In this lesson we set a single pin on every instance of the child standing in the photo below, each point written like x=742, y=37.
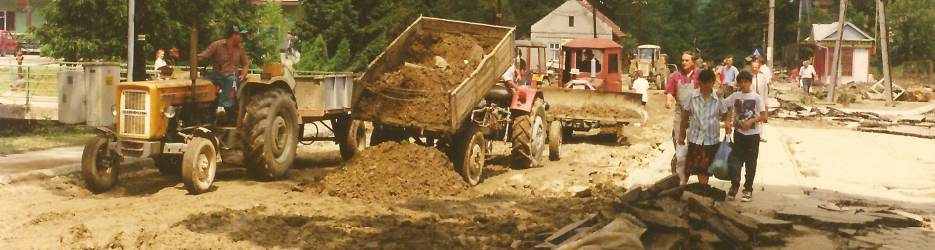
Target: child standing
x=750, y=112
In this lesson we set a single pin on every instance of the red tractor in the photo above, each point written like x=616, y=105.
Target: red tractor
x=589, y=94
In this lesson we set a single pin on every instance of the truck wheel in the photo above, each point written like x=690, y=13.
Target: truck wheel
x=353, y=138
x=471, y=154
x=168, y=165
x=270, y=134
x=528, y=137
x=555, y=140
x=99, y=167
x=199, y=164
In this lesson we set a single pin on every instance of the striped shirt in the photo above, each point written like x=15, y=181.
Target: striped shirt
x=704, y=127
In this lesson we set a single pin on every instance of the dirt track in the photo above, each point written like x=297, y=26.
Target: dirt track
x=511, y=208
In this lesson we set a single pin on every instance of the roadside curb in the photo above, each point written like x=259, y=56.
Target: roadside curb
x=129, y=167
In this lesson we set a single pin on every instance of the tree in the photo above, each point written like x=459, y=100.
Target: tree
x=314, y=56
x=342, y=57
x=270, y=30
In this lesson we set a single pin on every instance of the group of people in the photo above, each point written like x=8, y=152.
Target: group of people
x=703, y=100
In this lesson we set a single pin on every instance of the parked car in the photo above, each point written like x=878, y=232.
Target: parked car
x=27, y=43
x=7, y=43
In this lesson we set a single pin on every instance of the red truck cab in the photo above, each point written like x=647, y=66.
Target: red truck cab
x=7, y=43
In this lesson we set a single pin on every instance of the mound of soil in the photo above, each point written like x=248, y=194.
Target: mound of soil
x=425, y=101
x=395, y=171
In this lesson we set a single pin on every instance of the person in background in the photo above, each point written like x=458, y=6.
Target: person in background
x=750, y=112
x=729, y=76
x=700, y=127
x=161, y=65
x=20, y=83
x=641, y=85
x=681, y=86
x=761, y=81
x=807, y=74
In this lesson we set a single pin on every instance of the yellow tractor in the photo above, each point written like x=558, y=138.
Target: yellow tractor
x=174, y=123
x=652, y=65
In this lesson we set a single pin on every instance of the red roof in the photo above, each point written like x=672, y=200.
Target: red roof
x=591, y=43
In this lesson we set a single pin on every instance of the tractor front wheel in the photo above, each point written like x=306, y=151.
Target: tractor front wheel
x=270, y=134
x=199, y=165
x=99, y=167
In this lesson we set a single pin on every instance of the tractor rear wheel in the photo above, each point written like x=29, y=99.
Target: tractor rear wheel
x=199, y=165
x=168, y=164
x=99, y=168
x=555, y=140
x=529, y=136
x=270, y=133
x=470, y=155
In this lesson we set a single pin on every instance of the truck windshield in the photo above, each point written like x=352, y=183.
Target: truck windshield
x=646, y=54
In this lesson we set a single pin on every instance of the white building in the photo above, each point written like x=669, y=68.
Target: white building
x=573, y=19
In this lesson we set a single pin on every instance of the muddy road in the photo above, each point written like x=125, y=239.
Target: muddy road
x=511, y=208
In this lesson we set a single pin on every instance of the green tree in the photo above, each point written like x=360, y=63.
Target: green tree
x=269, y=35
x=342, y=57
x=79, y=35
x=314, y=56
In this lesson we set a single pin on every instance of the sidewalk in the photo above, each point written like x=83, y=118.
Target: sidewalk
x=49, y=163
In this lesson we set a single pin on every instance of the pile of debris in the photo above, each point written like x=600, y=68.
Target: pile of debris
x=669, y=216
x=922, y=126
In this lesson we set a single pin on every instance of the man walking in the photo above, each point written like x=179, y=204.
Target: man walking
x=230, y=64
x=750, y=112
x=762, y=76
x=807, y=74
x=679, y=90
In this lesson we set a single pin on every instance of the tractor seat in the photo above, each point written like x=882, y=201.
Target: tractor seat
x=499, y=93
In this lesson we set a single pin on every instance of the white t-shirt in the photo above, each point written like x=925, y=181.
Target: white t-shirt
x=807, y=72
x=641, y=85
x=746, y=106
x=159, y=63
x=510, y=74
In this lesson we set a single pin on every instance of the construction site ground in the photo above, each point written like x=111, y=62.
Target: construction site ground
x=802, y=164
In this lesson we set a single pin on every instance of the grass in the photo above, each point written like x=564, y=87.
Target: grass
x=43, y=80
x=18, y=136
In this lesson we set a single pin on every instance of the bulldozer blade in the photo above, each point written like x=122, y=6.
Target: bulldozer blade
x=589, y=105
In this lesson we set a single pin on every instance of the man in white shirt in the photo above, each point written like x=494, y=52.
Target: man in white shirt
x=641, y=85
x=807, y=74
x=762, y=76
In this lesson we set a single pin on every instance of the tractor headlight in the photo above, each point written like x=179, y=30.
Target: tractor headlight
x=169, y=112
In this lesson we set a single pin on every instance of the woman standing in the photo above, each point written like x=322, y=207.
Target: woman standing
x=706, y=110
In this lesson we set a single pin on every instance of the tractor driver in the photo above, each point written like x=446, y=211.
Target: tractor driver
x=230, y=63
x=585, y=64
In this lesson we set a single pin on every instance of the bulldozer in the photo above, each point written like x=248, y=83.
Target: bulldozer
x=651, y=64
x=174, y=123
x=589, y=94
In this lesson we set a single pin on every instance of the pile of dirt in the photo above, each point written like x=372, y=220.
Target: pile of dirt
x=432, y=64
x=392, y=172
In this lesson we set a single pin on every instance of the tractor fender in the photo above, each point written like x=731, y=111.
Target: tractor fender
x=523, y=98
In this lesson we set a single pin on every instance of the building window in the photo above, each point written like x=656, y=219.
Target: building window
x=571, y=21
x=847, y=61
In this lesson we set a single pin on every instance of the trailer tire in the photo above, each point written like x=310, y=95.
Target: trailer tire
x=471, y=150
x=270, y=134
x=99, y=173
x=199, y=165
x=351, y=136
x=168, y=164
x=528, y=136
x=555, y=140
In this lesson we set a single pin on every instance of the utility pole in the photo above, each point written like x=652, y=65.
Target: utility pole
x=798, y=32
x=594, y=18
x=770, y=40
x=836, y=61
x=499, y=12
x=130, y=39
x=884, y=47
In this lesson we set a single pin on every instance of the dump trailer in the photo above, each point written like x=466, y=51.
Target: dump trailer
x=451, y=103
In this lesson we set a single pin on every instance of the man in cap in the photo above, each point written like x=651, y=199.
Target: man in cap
x=230, y=63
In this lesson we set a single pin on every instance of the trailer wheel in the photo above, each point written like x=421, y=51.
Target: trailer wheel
x=529, y=137
x=168, y=164
x=99, y=168
x=270, y=134
x=199, y=164
x=471, y=154
x=351, y=136
x=555, y=140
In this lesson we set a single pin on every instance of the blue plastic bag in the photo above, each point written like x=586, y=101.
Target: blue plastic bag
x=719, y=167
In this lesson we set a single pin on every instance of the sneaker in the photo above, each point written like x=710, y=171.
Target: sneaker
x=732, y=194
x=747, y=196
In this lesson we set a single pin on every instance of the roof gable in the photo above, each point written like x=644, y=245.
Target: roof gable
x=828, y=32
x=614, y=28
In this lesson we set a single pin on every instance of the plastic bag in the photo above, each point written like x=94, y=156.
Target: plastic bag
x=681, y=155
x=719, y=167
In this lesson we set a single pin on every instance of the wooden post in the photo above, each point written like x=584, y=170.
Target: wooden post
x=836, y=61
x=771, y=34
x=884, y=47
x=499, y=12
x=193, y=55
x=594, y=18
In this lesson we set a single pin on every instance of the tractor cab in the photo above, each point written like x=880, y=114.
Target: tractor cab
x=533, y=65
x=591, y=64
x=651, y=64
